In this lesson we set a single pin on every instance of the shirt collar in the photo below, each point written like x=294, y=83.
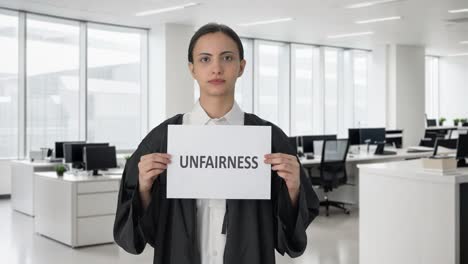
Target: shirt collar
x=235, y=116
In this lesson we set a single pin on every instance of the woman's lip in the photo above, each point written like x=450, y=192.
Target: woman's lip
x=217, y=81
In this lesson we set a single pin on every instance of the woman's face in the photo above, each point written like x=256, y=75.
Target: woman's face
x=216, y=64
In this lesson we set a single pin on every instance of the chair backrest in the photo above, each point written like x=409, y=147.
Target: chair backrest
x=333, y=165
x=446, y=143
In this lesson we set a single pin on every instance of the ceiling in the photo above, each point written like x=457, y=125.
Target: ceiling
x=424, y=22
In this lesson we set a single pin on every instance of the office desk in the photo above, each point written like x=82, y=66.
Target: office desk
x=350, y=193
x=76, y=210
x=363, y=156
x=22, y=183
x=409, y=215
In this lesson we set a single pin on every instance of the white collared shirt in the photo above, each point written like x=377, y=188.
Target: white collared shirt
x=210, y=212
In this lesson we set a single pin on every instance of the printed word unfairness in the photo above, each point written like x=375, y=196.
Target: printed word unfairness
x=219, y=162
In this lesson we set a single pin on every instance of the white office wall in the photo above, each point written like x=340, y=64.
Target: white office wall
x=406, y=92
x=5, y=177
x=170, y=82
x=453, y=91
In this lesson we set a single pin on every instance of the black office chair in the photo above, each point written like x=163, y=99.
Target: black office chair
x=430, y=139
x=332, y=171
x=446, y=143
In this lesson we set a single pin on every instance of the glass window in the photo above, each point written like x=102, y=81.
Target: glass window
x=432, y=87
x=360, y=80
x=114, y=85
x=272, y=83
x=331, y=91
x=52, y=90
x=302, y=89
x=8, y=85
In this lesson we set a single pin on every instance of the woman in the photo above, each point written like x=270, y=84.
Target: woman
x=188, y=231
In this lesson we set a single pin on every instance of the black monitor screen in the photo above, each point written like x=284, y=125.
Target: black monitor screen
x=354, y=136
x=372, y=135
x=99, y=157
x=462, y=146
x=73, y=152
x=308, y=141
x=59, y=147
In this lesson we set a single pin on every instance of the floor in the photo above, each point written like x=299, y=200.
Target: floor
x=331, y=240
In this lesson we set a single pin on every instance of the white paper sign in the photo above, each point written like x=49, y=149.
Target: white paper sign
x=218, y=162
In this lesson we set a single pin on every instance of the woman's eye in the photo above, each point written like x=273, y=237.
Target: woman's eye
x=228, y=58
x=205, y=59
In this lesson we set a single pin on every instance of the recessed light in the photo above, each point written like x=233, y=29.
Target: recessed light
x=351, y=35
x=163, y=10
x=378, y=20
x=458, y=11
x=371, y=3
x=266, y=22
x=457, y=55
x=464, y=42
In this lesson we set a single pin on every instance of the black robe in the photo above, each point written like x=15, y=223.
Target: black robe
x=253, y=228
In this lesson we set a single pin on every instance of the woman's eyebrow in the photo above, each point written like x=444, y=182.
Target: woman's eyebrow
x=209, y=54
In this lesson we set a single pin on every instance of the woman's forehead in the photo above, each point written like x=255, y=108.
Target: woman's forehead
x=215, y=43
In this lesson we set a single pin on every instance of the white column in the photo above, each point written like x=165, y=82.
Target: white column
x=170, y=83
x=406, y=93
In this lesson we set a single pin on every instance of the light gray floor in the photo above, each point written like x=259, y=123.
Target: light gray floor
x=331, y=240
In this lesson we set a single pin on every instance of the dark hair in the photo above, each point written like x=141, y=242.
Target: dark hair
x=213, y=28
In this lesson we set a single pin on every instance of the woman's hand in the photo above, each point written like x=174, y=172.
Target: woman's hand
x=287, y=168
x=149, y=168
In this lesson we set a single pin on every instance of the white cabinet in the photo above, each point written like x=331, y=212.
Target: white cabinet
x=22, y=183
x=76, y=210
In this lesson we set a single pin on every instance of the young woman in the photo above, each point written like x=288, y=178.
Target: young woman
x=189, y=231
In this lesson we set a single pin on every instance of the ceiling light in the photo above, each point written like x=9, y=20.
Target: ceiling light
x=464, y=42
x=371, y=3
x=457, y=55
x=163, y=10
x=351, y=35
x=458, y=11
x=378, y=20
x=266, y=22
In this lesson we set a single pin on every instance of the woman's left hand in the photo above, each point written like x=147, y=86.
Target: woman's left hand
x=287, y=168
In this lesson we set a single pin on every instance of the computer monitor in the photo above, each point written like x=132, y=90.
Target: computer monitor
x=73, y=152
x=354, y=136
x=59, y=147
x=308, y=141
x=372, y=135
x=99, y=158
x=462, y=150
x=431, y=122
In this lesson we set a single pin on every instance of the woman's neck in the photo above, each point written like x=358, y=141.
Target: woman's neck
x=217, y=106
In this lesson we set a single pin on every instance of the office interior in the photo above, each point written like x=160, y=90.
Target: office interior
x=377, y=87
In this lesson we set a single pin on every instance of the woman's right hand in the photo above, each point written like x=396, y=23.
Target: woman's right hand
x=150, y=167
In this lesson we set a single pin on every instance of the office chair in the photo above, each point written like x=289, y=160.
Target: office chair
x=332, y=171
x=431, y=122
x=430, y=139
x=446, y=143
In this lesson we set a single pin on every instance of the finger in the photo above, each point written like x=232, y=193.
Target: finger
x=280, y=155
x=282, y=167
x=154, y=155
x=284, y=175
x=154, y=165
x=152, y=174
x=278, y=160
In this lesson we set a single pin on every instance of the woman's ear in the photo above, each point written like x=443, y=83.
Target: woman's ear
x=191, y=69
x=242, y=67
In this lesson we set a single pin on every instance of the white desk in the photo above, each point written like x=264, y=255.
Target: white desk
x=22, y=183
x=409, y=215
x=350, y=193
x=76, y=210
